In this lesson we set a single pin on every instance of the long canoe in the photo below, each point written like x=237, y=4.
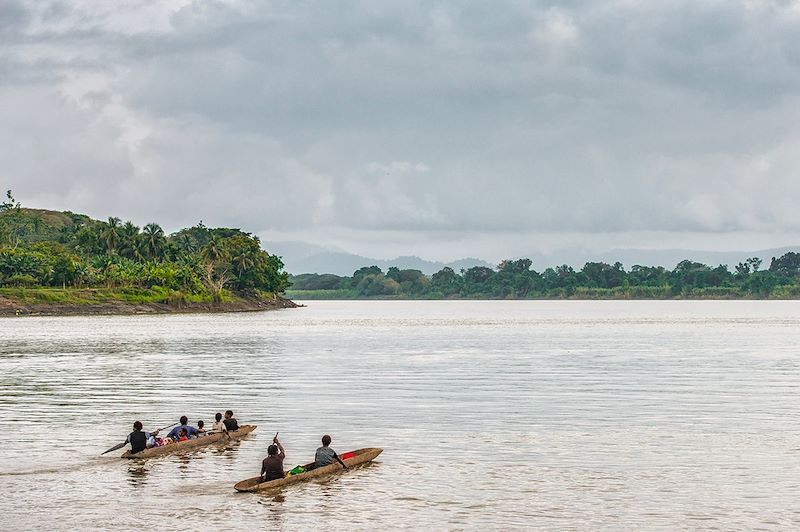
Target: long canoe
x=352, y=458
x=189, y=444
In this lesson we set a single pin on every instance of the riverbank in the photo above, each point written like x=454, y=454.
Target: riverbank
x=634, y=293
x=126, y=301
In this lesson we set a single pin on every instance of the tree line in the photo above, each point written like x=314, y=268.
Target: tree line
x=64, y=249
x=516, y=279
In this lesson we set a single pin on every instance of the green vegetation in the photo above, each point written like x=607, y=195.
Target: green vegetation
x=67, y=258
x=514, y=279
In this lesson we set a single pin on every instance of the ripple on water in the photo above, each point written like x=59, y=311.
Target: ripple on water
x=493, y=415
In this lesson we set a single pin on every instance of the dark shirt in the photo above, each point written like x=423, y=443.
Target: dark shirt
x=231, y=424
x=272, y=467
x=138, y=440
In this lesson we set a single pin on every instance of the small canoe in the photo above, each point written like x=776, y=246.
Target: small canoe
x=202, y=441
x=352, y=458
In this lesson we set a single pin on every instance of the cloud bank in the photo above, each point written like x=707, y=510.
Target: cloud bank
x=439, y=128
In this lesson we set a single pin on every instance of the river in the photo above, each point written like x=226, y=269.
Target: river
x=567, y=415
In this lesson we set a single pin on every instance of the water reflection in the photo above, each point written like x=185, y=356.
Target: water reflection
x=137, y=475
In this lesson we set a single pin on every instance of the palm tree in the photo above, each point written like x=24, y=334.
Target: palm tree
x=154, y=240
x=213, y=250
x=127, y=241
x=111, y=234
x=242, y=263
x=140, y=248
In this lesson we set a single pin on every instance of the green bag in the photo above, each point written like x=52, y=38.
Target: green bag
x=297, y=470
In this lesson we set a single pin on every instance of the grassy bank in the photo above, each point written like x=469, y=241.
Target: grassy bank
x=128, y=300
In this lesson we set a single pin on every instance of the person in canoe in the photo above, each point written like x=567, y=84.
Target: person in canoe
x=191, y=432
x=139, y=439
x=201, y=428
x=272, y=466
x=218, y=425
x=325, y=455
x=230, y=422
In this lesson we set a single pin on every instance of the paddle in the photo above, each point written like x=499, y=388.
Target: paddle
x=123, y=444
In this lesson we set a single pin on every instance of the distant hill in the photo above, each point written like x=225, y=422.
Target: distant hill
x=299, y=258
x=339, y=263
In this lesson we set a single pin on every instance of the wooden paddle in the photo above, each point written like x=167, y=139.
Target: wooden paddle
x=123, y=444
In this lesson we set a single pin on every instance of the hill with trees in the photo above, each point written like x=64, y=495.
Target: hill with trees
x=52, y=259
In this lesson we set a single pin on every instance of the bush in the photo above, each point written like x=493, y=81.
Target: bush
x=21, y=279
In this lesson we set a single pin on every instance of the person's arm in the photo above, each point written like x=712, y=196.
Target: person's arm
x=263, y=469
x=340, y=460
x=282, y=454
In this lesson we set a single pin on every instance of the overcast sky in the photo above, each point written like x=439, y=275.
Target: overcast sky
x=441, y=129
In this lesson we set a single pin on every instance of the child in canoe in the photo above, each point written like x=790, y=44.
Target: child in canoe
x=325, y=455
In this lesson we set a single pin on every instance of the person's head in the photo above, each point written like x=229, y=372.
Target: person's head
x=137, y=425
x=182, y=432
x=218, y=416
x=184, y=420
x=326, y=440
x=228, y=414
x=272, y=450
x=201, y=424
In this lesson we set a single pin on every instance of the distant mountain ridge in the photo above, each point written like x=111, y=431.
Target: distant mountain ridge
x=299, y=258
x=340, y=263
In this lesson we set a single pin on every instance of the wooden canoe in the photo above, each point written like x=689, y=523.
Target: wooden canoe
x=202, y=441
x=352, y=458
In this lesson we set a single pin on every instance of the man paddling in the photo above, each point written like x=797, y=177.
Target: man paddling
x=272, y=466
x=139, y=438
x=190, y=431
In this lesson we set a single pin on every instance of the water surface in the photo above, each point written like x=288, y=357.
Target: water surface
x=493, y=415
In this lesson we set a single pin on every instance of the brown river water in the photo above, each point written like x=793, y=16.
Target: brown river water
x=571, y=415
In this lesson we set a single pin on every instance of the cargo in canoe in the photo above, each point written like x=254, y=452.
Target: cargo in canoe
x=352, y=458
x=202, y=441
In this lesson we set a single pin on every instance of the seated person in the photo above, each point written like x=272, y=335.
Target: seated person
x=139, y=439
x=201, y=431
x=190, y=431
x=230, y=422
x=218, y=425
x=183, y=435
x=272, y=466
x=325, y=455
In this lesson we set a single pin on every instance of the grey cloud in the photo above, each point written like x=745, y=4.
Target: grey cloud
x=13, y=18
x=592, y=117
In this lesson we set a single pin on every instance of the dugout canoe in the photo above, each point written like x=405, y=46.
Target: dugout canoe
x=352, y=459
x=202, y=441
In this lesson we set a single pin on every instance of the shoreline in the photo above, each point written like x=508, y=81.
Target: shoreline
x=13, y=308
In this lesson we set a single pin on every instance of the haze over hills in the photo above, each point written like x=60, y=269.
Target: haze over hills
x=300, y=257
